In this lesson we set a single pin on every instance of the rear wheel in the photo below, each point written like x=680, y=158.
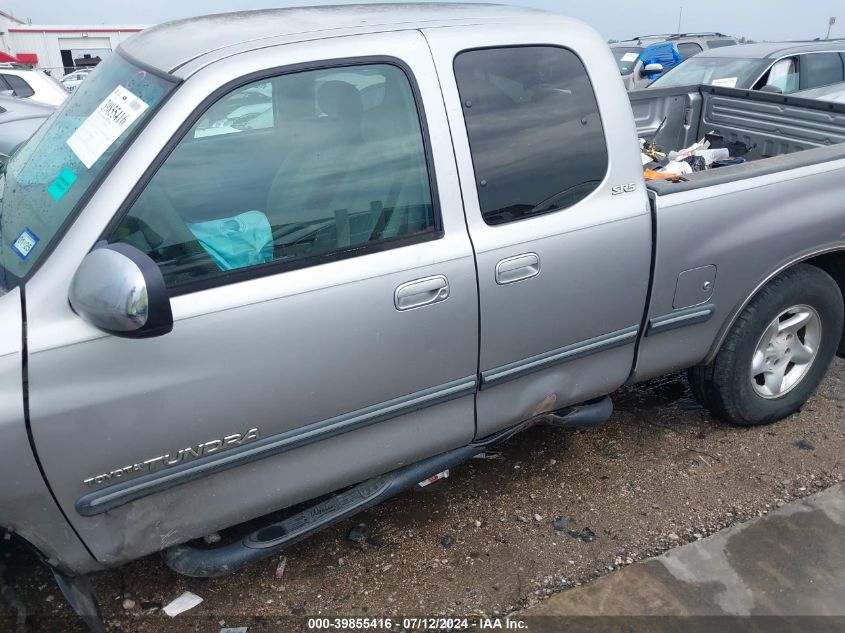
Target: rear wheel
x=777, y=351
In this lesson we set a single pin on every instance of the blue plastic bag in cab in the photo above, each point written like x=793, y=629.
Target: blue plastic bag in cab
x=242, y=240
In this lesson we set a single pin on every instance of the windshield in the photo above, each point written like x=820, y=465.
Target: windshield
x=728, y=72
x=626, y=58
x=45, y=179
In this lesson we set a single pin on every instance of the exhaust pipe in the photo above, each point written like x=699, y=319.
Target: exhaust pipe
x=589, y=414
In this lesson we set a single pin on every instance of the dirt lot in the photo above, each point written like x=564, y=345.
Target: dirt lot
x=662, y=473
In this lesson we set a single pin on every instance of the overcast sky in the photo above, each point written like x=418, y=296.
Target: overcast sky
x=618, y=19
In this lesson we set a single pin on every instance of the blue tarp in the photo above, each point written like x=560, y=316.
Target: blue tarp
x=665, y=54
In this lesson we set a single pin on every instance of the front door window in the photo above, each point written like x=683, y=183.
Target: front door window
x=288, y=172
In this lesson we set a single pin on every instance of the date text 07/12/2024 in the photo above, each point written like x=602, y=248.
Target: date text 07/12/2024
x=415, y=624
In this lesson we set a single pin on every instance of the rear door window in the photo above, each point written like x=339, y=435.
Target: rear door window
x=688, y=49
x=720, y=43
x=20, y=87
x=534, y=130
x=820, y=69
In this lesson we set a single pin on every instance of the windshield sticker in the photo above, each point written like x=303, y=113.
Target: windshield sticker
x=25, y=243
x=100, y=130
x=60, y=185
x=630, y=57
x=726, y=82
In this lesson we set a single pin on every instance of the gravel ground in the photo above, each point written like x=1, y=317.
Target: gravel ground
x=662, y=473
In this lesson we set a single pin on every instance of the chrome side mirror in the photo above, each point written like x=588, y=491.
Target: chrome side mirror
x=120, y=290
x=651, y=69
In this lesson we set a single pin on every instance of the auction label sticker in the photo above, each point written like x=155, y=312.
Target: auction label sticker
x=60, y=185
x=630, y=57
x=100, y=130
x=25, y=243
x=727, y=82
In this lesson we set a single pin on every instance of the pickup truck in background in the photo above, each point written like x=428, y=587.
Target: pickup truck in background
x=438, y=235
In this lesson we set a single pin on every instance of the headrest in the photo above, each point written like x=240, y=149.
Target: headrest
x=339, y=99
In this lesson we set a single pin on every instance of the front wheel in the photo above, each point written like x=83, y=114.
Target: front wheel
x=777, y=352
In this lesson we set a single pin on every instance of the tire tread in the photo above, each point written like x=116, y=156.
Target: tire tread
x=715, y=384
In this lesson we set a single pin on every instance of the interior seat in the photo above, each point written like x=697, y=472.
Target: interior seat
x=305, y=184
x=394, y=172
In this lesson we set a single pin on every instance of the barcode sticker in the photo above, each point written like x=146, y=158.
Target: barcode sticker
x=60, y=185
x=105, y=125
x=25, y=243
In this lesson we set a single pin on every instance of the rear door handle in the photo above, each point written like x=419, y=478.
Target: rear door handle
x=421, y=292
x=517, y=268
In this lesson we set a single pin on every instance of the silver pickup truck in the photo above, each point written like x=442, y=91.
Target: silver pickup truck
x=316, y=256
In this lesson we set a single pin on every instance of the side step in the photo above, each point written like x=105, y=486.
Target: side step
x=266, y=541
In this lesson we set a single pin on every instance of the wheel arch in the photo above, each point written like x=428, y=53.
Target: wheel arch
x=830, y=259
x=833, y=263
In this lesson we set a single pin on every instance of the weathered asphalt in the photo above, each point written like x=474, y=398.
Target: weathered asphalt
x=789, y=564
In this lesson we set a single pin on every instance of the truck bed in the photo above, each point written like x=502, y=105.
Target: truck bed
x=784, y=132
x=749, y=221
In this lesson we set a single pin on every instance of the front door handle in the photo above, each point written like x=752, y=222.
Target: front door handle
x=517, y=268
x=421, y=292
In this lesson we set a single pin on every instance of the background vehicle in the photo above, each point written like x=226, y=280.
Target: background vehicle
x=24, y=83
x=781, y=67
x=19, y=119
x=833, y=92
x=391, y=273
x=629, y=53
x=248, y=109
x=73, y=79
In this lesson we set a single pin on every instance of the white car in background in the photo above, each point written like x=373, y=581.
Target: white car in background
x=19, y=81
x=73, y=79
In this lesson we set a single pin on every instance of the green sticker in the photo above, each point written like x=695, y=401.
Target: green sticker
x=61, y=184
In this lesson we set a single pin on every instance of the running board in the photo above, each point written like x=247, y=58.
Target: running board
x=266, y=541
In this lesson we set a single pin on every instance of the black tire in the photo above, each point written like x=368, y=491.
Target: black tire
x=724, y=386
